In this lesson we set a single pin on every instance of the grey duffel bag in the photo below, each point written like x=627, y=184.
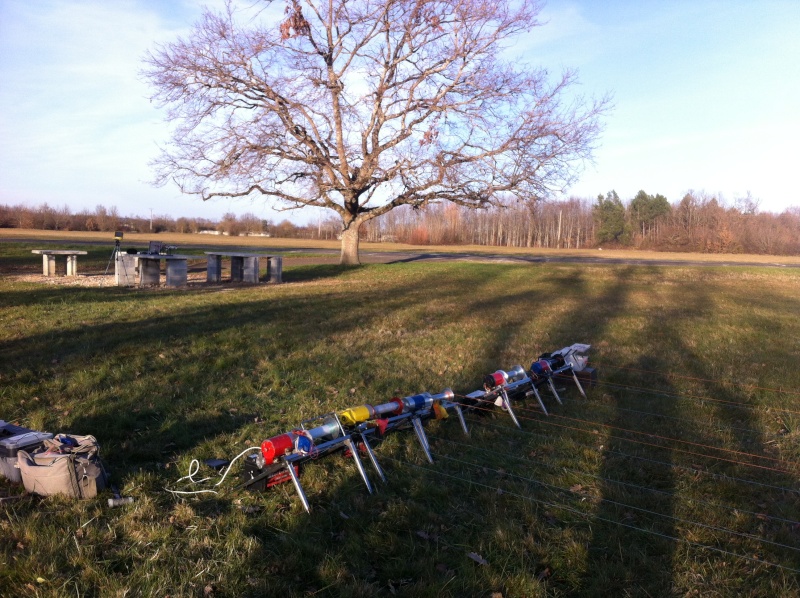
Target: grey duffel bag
x=66, y=464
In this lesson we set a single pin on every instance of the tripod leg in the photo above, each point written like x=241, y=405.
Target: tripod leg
x=297, y=486
x=578, y=384
x=111, y=259
x=461, y=419
x=114, y=255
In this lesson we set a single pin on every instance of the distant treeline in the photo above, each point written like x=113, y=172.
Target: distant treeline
x=45, y=217
x=698, y=222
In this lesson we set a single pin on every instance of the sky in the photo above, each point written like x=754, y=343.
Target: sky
x=706, y=97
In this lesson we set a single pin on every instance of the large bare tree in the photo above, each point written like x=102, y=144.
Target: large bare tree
x=362, y=106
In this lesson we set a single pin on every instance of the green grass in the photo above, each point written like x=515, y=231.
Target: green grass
x=161, y=377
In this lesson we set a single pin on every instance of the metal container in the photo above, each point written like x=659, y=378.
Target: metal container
x=12, y=440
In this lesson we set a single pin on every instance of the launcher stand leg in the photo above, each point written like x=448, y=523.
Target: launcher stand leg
x=423, y=440
x=461, y=418
x=354, y=451
x=578, y=384
x=298, y=487
x=553, y=390
x=373, y=458
x=539, y=398
x=507, y=403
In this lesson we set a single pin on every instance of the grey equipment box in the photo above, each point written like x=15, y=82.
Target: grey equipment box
x=12, y=440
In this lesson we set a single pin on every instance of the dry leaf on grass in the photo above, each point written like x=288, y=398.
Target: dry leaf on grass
x=547, y=572
x=477, y=558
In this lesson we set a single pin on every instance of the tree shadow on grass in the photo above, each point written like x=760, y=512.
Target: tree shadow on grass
x=618, y=561
x=674, y=476
x=394, y=541
x=154, y=388
x=352, y=543
x=160, y=362
x=317, y=272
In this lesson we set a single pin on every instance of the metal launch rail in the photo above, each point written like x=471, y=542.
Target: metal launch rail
x=353, y=429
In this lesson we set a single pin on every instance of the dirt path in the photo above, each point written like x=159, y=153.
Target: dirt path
x=396, y=257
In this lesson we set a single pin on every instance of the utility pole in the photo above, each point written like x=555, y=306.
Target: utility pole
x=151, y=220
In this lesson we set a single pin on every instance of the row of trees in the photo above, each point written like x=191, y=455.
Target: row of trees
x=698, y=222
x=46, y=217
x=566, y=224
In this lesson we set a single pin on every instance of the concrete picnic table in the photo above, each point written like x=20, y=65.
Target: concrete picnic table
x=49, y=260
x=149, y=266
x=244, y=266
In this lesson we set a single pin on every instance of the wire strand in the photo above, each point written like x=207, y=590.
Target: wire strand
x=633, y=440
x=194, y=467
x=671, y=439
x=601, y=518
x=717, y=427
x=619, y=482
x=696, y=379
x=620, y=504
x=692, y=397
x=640, y=458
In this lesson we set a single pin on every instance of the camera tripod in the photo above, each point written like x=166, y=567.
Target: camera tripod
x=114, y=254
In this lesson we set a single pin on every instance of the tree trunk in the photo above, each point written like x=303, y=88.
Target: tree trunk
x=349, y=255
x=558, y=234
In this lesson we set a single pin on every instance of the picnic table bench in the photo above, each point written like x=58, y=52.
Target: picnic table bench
x=49, y=260
x=143, y=268
x=244, y=266
x=149, y=268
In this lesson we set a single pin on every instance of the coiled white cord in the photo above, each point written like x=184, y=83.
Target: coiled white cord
x=194, y=467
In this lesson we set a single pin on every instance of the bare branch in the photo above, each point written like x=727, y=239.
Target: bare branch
x=386, y=103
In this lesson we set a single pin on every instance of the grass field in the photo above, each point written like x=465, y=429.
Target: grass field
x=677, y=476
x=190, y=243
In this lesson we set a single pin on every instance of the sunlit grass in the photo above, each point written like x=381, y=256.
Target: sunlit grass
x=162, y=377
x=194, y=243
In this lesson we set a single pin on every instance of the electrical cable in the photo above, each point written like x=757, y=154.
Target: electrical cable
x=194, y=467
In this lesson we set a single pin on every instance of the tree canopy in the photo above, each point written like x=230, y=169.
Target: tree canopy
x=610, y=216
x=361, y=106
x=646, y=209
